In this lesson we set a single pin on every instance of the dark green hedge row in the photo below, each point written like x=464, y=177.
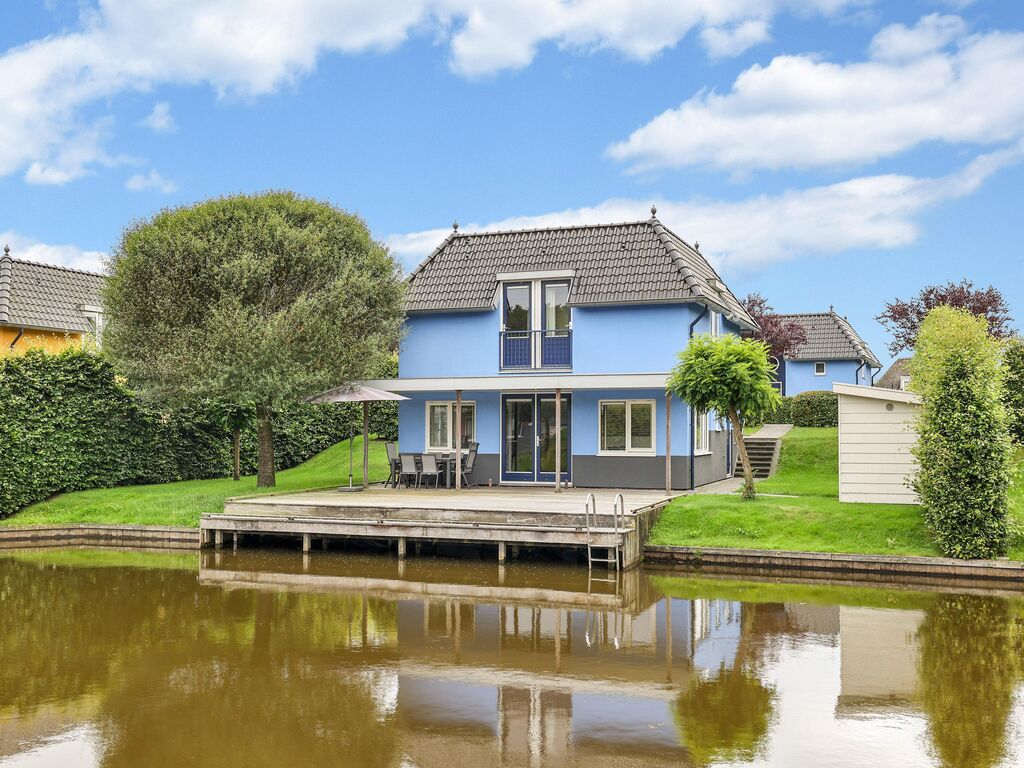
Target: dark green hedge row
x=783, y=414
x=67, y=424
x=816, y=409
x=1013, y=388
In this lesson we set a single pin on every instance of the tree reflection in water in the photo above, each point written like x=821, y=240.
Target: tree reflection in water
x=970, y=665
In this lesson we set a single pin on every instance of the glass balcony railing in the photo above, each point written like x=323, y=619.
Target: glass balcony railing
x=533, y=350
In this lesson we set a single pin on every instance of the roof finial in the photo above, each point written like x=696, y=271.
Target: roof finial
x=455, y=226
x=654, y=210
x=7, y=250
x=696, y=245
x=831, y=309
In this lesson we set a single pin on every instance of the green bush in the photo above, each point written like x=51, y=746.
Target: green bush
x=816, y=409
x=1013, y=387
x=67, y=424
x=783, y=414
x=963, y=450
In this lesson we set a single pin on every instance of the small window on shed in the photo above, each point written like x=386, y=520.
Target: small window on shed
x=819, y=369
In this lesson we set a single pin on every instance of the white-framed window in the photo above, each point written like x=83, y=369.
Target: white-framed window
x=716, y=324
x=904, y=383
x=701, y=436
x=95, y=321
x=441, y=426
x=626, y=426
x=819, y=369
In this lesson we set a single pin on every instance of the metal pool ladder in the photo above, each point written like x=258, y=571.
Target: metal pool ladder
x=619, y=526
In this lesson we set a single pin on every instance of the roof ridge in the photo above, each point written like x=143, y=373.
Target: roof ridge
x=552, y=228
x=800, y=314
x=689, y=279
x=5, y=287
x=853, y=337
x=433, y=254
x=60, y=267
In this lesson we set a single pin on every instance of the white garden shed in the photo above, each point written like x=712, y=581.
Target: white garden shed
x=876, y=433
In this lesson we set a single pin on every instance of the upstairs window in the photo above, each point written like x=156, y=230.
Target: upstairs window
x=819, y=369
x=626, y=426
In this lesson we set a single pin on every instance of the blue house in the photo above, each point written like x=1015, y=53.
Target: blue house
x=569, y=330
x=833, y=352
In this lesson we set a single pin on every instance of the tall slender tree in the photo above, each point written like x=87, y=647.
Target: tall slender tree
x=262, y=299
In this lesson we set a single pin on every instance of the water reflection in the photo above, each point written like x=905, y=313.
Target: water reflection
x=120, y=659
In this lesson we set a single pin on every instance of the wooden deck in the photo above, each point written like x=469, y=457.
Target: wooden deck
x=521, y=517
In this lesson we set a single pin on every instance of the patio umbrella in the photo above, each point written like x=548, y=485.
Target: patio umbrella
x=364, y=395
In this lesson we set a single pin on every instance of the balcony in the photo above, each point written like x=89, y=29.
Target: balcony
x=536, y=350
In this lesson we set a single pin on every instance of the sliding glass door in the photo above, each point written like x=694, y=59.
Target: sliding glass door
x=528, y=438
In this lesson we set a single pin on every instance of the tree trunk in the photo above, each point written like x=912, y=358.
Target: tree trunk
x=237, y=444
x=741, y=448
x=265, y=436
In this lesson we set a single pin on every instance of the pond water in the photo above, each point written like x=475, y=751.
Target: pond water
x=112, y=658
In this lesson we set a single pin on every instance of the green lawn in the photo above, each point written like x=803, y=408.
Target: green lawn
x=815, y=520
x=182, y=503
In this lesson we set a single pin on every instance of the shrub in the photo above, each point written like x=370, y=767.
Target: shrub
x=67, y=424
x=1013, y=387
x=816, y=409
x=963, y=450
x=783, y=414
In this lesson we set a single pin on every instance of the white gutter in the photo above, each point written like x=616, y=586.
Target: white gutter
x=523, y=382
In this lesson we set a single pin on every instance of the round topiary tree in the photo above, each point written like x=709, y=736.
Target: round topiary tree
x=731, y=376
x=963, y=451
x=262, y=299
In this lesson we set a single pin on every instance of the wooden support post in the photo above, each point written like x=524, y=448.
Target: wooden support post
x=218, y=539
x=501, y=551
x=668, y=442
x=366, y=445
x=235, y=536
x=401, y=548
x=458, y=439
x=558, y=440
x=307, y=543
x=323, y=543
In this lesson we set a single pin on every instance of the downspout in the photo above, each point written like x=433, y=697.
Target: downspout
x=693, y=421
x=21, y=332
x=873, y=374
x=856, y=374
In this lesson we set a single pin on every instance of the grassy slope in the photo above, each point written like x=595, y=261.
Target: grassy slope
x=815, y=520
x=182, y=503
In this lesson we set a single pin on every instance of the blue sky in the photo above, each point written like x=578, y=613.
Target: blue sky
x=823, y=152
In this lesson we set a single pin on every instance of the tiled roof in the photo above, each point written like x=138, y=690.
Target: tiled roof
x=830, y=337
x=635, y=262
x=45, y=295
x=891, y=378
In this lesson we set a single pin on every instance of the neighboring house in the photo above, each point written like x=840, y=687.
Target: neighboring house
x=833, y=352
x=42, y=305
x=597, y=314
x=897, y=377
x=876, y=435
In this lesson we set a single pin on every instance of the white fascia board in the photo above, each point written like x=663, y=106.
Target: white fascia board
x=875, y=393
x=537, y=274
x=525, y=382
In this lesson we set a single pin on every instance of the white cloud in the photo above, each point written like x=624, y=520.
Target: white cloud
x=74, y=158
x=152, y=180
x=31, y=249
x=929, y=83
x=722, y=42
x=866, y=212
x=160, y=120
x=252, y=47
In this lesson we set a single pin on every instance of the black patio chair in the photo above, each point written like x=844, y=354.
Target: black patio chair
x=429, y=468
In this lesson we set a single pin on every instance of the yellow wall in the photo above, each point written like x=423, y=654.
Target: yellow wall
x=51, y=341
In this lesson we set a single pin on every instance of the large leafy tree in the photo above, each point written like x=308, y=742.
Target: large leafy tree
x=262, y=299
x=783, y=337
x=1013, y=387
x=728, y=375
x=903, y=317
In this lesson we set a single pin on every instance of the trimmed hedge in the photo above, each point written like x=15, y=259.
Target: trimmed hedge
x=816, y=409
x=67, y=424
x=783, y=414
x=1013, y=387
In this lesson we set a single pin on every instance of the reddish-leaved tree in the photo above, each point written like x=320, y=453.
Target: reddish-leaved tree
x=902, y=317
x=783, y=337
